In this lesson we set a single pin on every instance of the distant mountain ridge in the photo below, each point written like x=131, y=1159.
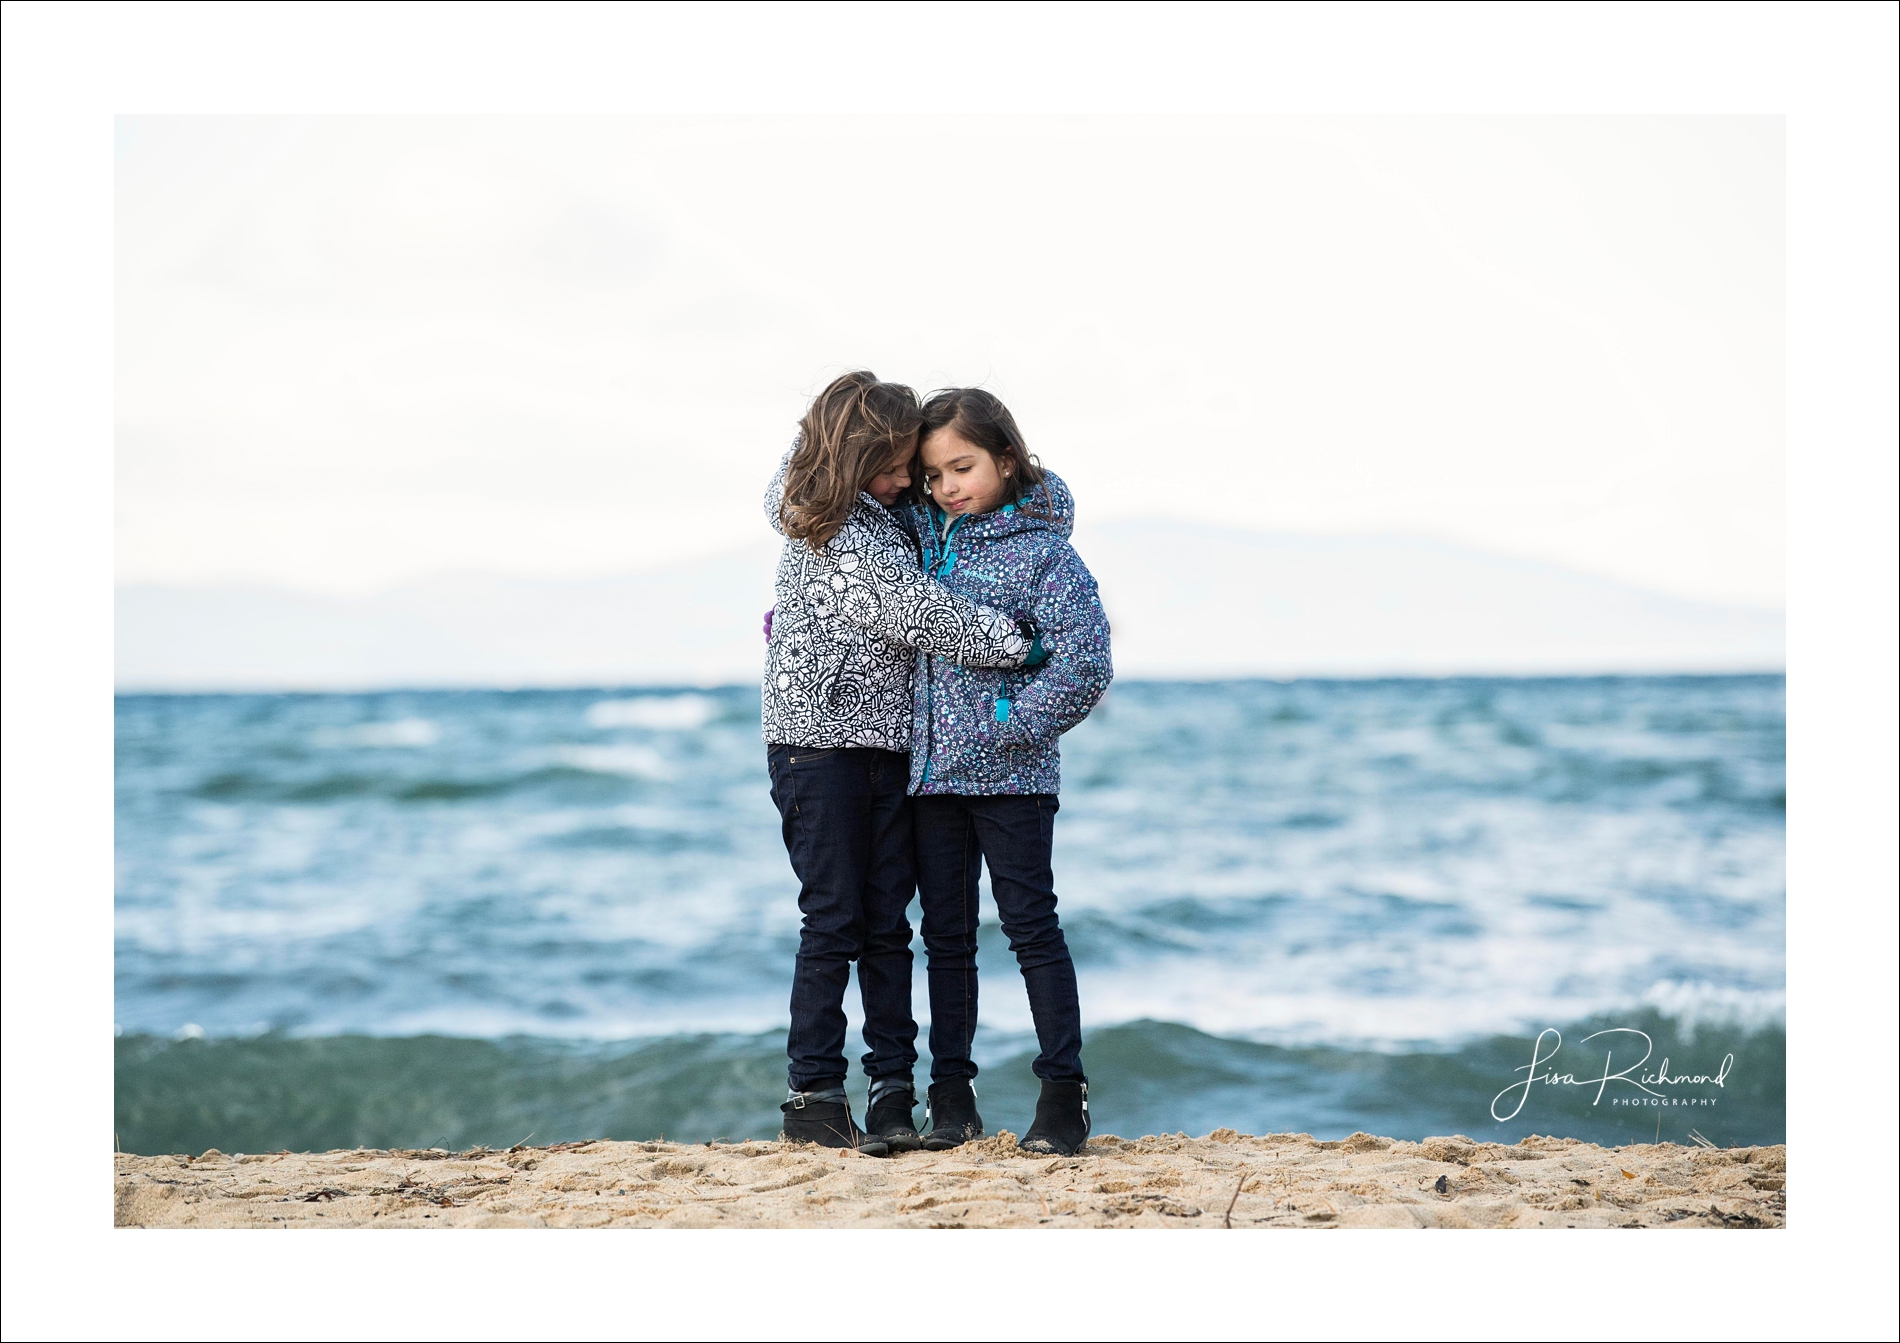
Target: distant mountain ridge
x=1184, y=601
x=1196, y=601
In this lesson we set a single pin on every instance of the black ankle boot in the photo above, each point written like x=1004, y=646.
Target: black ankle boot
x=824, y=1117
x=887, y=1116
x=1062, y=1120
x=953, y=1117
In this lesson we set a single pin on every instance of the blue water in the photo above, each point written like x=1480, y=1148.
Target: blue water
x=1277, y=895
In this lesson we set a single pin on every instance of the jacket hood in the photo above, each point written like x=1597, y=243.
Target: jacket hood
x=1047, y=508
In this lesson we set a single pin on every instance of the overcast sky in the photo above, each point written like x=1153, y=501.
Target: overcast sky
x=358, y=351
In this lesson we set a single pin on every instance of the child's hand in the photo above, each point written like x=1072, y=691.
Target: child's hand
x=1037, y=653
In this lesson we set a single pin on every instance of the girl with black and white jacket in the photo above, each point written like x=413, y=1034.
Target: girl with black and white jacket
x=854, y=609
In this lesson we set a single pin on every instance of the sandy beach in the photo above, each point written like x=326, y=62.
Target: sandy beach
x=1225, y=1180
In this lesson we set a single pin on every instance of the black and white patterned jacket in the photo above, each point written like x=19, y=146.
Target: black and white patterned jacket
x=849, y=622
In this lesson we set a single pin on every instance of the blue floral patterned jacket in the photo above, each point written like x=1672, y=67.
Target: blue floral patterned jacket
x=982, y=731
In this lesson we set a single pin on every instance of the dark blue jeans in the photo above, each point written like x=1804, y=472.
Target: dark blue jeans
x=847, y=827
x=1013, y=835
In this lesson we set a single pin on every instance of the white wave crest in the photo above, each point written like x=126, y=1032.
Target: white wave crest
x=1696, y=1004
x=398, y=732
x=635, y=762
x=667, y=713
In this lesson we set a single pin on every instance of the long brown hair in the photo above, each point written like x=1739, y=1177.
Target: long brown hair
x=978, y=417
x=855, y=429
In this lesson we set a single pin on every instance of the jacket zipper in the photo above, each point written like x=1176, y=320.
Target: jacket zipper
x=941, y=571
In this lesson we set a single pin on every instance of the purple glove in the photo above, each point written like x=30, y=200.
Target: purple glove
x=768, y=625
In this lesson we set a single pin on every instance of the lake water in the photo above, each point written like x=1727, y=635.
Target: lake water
x=416, y=918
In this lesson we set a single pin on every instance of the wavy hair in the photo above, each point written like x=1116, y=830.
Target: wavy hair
x=854, y=430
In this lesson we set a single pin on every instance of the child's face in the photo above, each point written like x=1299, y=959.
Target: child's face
x=960, y=476
x=888, y=485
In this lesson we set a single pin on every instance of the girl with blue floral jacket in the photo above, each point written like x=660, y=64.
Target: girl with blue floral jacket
x=985, y=765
